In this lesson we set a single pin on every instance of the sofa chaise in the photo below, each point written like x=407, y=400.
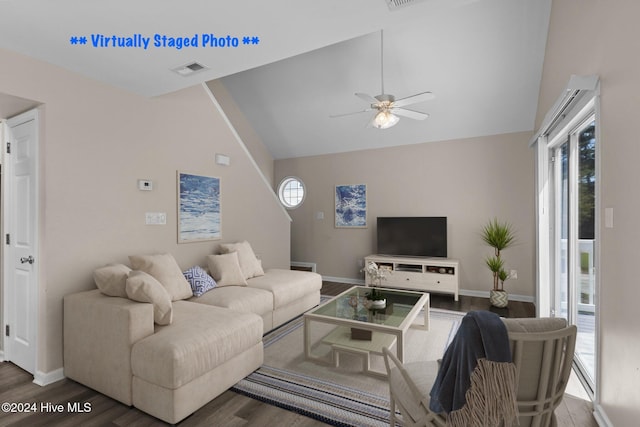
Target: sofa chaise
x=150, y=338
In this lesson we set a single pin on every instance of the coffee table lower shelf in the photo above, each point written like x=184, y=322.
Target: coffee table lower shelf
x=341, y=342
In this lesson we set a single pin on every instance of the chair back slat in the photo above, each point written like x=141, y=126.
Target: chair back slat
x=543, y=361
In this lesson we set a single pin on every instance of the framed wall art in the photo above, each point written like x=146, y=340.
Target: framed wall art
x=198, y=208
x=351, y=206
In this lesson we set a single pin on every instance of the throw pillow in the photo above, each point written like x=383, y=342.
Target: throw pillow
x=199, y=280
x=166, y=270
x=225, y=269
x=112, y=279
x=143, y=287
x=249, y=264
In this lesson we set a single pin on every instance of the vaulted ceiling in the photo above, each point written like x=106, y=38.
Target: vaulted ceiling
x=298, y=62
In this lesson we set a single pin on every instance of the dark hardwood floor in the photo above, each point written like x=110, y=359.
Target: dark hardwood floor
x=227, y=410
x=464, y=303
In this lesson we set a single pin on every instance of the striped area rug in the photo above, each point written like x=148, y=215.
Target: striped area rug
x=340, y=396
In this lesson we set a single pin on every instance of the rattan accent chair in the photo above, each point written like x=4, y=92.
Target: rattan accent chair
x=542, y=350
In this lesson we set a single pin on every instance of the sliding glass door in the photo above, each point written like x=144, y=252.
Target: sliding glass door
x=573, y=236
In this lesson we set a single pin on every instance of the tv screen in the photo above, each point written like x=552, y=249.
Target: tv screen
x=412, y=236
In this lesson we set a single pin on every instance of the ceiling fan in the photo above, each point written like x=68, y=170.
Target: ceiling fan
x=387, y=106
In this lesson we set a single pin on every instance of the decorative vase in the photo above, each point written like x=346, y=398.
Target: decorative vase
x=499, y=298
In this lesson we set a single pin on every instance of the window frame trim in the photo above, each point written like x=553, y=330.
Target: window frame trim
x=281, y=187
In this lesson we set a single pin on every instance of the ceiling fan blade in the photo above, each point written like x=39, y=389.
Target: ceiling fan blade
x=416, y=115
x=333, y=116
x=414, y=99
x=367, y=98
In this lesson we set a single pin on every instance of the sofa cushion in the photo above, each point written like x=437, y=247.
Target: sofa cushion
x=199, y=280
x=112, y=279
x=143, y=287
x=164, y=268
x=225, y=269
x=249, y=263
x=240, y=298
x=200, y=338
x=287, y=285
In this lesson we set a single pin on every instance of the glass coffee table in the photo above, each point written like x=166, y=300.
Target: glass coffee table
x=363, y=330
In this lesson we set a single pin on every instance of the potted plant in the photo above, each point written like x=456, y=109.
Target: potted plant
x=500, y=236
x=376, y=275
x=376, y=299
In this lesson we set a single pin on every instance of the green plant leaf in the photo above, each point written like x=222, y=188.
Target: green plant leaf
x=498, y=235
x=495, y=263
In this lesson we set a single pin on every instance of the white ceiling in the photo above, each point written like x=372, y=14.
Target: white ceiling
x=481, y=58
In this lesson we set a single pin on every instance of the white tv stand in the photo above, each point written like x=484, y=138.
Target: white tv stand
x=426, y=274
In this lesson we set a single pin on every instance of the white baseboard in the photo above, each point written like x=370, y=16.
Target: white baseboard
x=1, y=355
x=601, y=416
x=485, y=294
x=466, y=292
x=46, y=378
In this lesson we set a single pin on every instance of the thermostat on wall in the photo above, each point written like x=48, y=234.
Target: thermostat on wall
x=145, y=185
x=223, y=160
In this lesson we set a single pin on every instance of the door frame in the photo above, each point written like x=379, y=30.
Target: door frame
x=8, y=188
x=585, y=107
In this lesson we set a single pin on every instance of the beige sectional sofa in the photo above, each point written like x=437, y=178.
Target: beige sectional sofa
x=121, y=341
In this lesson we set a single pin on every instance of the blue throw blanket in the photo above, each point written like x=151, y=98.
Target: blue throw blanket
x=480, y=348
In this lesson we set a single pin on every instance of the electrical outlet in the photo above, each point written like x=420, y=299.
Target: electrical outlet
x=145, y=185
x=513, y=274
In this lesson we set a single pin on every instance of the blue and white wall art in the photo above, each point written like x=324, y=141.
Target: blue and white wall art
x=198, y=208
x=351, y=205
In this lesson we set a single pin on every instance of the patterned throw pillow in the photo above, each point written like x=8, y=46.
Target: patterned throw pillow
x=199, y=280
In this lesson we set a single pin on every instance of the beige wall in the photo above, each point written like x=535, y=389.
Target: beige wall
x=251, y=139
x=469, y=181
x=96, y=142
x=597, y=37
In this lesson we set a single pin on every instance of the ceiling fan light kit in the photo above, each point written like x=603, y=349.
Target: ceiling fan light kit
x=385, y=120
x=387, y=106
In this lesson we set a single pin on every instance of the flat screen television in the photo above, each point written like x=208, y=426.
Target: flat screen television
x=424, y=236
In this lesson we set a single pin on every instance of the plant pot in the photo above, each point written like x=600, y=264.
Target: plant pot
x=378, y=303
x=499, y=298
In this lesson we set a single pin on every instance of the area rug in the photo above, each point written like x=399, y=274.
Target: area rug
x=341, y=396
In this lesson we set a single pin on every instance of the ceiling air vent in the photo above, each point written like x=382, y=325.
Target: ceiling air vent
x=189, y=69
x=394, y=4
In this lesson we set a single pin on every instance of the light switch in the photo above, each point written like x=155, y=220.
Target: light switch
x=156, y=218
x=608, y=217
x=319, y=215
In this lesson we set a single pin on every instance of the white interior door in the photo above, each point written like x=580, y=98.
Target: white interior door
x=21, y=216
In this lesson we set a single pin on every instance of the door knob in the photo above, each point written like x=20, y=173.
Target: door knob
x=30, y=259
